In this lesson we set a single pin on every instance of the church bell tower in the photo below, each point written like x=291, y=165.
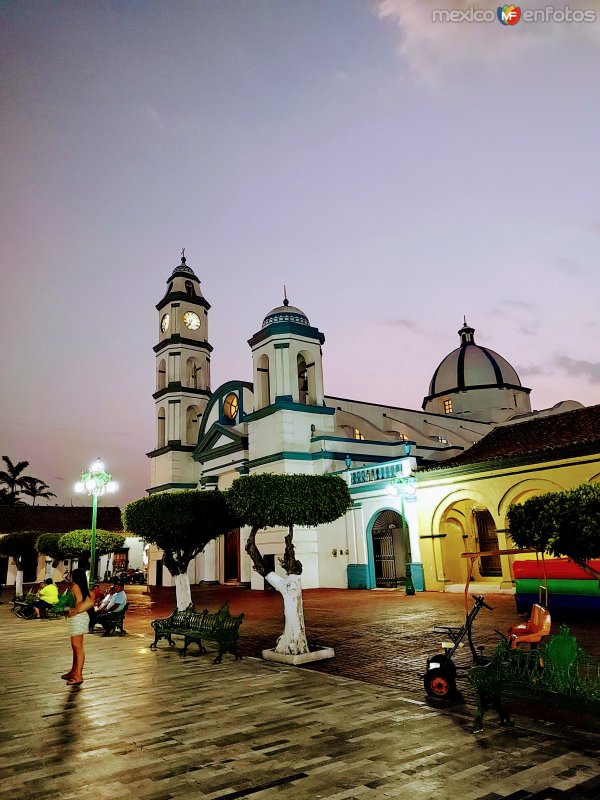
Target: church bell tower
x=182, y=380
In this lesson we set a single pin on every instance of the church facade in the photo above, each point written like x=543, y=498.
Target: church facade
x=284, y=422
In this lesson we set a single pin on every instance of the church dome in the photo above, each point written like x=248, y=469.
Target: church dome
x=472, y=366
x=285, y=313
x=474, y=381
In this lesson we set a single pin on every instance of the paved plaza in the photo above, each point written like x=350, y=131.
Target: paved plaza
x=156, y=725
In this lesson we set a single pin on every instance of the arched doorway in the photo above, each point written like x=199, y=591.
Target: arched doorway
x=390, y=550
x=487, y=539
x=231, y=567
x=467, y=526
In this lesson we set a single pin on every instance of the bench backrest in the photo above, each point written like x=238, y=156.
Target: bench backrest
x=188, y=618
x=222, y=620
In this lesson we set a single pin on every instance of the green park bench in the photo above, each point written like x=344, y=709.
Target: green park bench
x=112, y=621
x=220, y=627
x=23, y=605
x=558, y=673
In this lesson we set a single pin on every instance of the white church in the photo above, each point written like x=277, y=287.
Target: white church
x=284, y=422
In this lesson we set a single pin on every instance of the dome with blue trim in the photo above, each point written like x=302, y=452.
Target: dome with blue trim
x=472, y=366
x=285, y=313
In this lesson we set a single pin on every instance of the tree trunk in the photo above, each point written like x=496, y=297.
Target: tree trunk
x=183, y=591
x=293, y=639
x=593, y=573
x=19, y=583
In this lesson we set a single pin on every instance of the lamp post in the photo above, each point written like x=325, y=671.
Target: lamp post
x=406, y=479
x=96, y=481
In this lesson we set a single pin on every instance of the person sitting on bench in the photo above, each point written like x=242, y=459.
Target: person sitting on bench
x=117, y=602
x=47, y=597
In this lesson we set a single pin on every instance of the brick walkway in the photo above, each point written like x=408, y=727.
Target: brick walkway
x=159, y=726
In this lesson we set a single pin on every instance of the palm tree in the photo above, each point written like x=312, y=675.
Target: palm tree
x=34, y=487
x=13, y=480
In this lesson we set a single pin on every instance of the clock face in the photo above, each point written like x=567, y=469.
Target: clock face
x=191, y=320
x=164, y=323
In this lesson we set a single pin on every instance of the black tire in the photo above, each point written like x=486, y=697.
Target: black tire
x=440, y=683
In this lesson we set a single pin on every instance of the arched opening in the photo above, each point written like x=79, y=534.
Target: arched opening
x=161, y=375
x=264, y=382
x=302, y=380
x=189, y=288
x=467, y=526
x=231, y=572
x=161, y=428
x=191, y=424
x=391, y=550
x=193, y=375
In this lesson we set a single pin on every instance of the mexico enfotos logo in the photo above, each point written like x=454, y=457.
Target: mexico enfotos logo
x=510, y=15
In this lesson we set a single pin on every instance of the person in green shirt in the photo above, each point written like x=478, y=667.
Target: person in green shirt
x=47, y=597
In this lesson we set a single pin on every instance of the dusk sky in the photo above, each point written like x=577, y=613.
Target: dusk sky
x=394, y=172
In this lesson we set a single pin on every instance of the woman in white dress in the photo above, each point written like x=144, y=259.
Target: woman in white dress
x=78, y=625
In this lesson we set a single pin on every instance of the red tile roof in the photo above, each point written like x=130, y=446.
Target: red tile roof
x=543, y=437
x=57, y=519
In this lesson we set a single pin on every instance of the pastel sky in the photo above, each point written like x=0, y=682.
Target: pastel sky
x=394, y=172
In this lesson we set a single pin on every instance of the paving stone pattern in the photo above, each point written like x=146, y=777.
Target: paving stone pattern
x=157, y=725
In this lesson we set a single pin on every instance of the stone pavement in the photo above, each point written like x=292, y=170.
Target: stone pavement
x=160, y=726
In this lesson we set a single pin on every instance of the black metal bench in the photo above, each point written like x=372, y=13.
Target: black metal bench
x=220, y=627
x=558, y=672
x=112, y=621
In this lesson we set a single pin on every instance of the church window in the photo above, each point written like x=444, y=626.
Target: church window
x=264, y=382
x=161, y=428
x=189, y=288
x=191, y=424
x=357, y=435
x=230, y=406
x=515, y=400
x=447, y=406
x=193, y=374
x=161, y=377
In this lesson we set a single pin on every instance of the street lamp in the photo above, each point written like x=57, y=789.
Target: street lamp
x=406, y=481
x=96, y=481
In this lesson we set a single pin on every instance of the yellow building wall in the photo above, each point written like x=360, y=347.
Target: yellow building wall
x=446, y=499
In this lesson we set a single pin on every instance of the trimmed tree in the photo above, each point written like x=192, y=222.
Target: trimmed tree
x=77, y=544
x=47, y=544
x=181, y=524
x=21, y=548
x=283, y=501
x=562, y=524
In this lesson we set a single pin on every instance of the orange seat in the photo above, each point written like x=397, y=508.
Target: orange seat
x=532, y=631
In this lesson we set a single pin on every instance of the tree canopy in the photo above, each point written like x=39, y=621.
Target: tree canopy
x=275, y=501
x=77, y=544
x=48, y=544
x=19, y=546
x=282, y=501
x=181, y=524
x=560, y=523
x=34, y=488
x=13, y=483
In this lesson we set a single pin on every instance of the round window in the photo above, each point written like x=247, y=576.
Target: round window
x=230, y=406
